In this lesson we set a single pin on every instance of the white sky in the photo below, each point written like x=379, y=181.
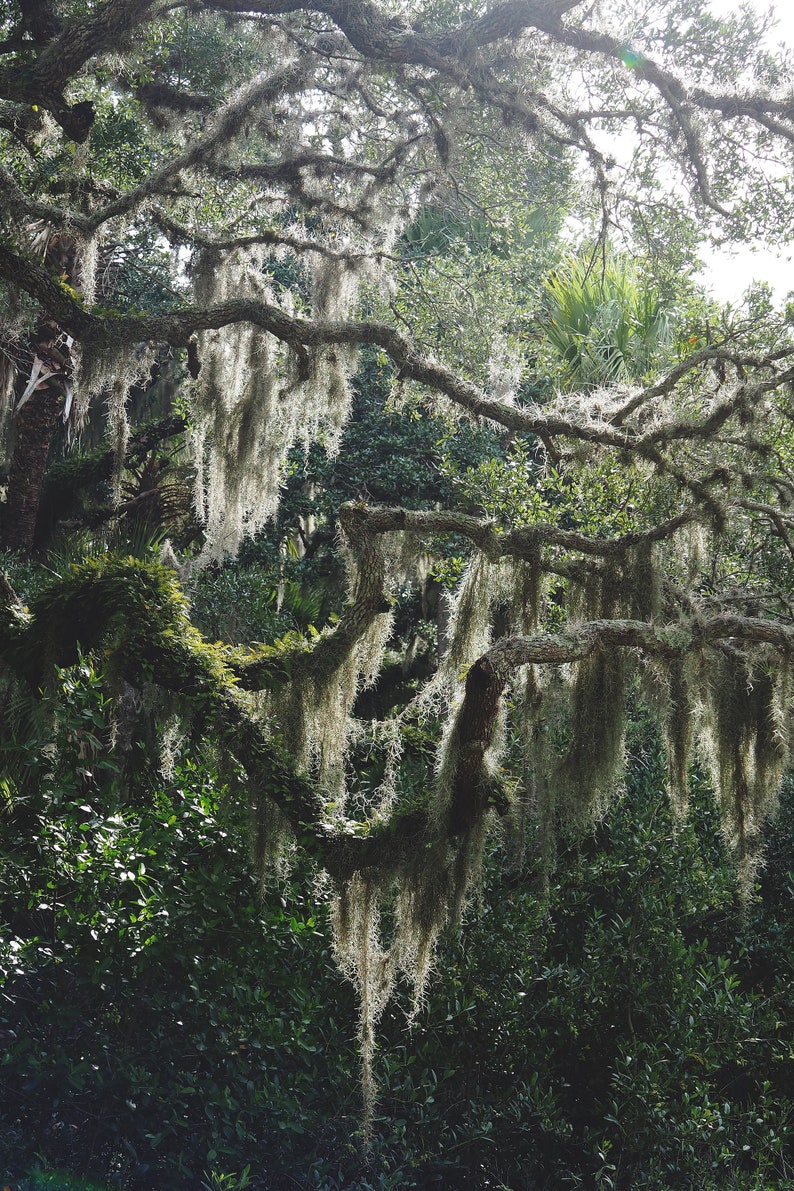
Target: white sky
x=729, y=273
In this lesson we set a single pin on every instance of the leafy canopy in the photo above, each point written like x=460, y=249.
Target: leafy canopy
x=258, y=191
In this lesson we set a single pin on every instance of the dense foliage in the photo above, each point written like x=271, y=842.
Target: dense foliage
x=164, y=1027
x=396, y=635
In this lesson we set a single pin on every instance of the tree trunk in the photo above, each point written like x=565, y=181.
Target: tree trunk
x=37, y=413
x=35, y=430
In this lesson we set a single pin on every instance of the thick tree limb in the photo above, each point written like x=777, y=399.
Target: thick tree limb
x=43, y=82
x=67, y=47
x=382, y=37
x=497, y=543
x=135, y=613
x=477, y=717
x=97, y=329
x=668, y=641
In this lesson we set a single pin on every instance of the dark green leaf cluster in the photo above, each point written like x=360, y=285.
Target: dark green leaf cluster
x=164, y=1027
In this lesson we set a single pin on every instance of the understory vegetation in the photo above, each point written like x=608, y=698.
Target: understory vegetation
x=621, y=1023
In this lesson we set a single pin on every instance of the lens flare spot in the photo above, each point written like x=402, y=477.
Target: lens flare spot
x=631, y=58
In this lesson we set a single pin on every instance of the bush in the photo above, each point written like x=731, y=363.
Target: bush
x=159, y=1021
x=162, y=1027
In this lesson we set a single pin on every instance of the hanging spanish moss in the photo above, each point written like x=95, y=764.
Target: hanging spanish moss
x=109, y=374
x=272, y=841
x=744, y=729
x=387, y=736
x=424, y=887
x=527, y=591
x=255, y=397
x=678, y=721
x=593, y=760
x=538, y=706
x=508, y=590
x=640, y=593
x=418, y=895
x=315, y=706
x=369, y=966
x=314, y=711
x=470, y=625
x=88, y=267
x=171, y=738
x=428, y=887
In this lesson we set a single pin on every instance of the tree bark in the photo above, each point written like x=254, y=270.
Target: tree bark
x=38, y=412
x=35, y=431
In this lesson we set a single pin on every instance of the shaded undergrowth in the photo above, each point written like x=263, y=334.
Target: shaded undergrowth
x=163, y=1027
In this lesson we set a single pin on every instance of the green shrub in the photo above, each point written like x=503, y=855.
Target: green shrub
x=162, y=1027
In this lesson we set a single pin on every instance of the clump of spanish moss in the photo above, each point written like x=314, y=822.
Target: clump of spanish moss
x=110, y=374
x=678, y=726
x=593, y=760
x=416, y=896
x=507, y=591
x=744, y=729
x=386, y=922
x=470, y=627
x=314, y=712
x=315, y=706
x=641, y=586
x=255, y=396
x=272, y=841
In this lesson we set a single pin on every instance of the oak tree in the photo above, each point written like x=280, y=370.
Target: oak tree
x=322, y=178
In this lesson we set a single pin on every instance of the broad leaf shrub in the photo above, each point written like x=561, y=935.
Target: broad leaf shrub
x=159, y=1023
x=162, y=1027
x=615, y=1033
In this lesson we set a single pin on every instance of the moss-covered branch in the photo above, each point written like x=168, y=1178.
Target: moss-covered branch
x=476, y=720
x=97, y=328
x=524, y=543
x=135, y=615
x=67, y=46
x=264, y=668
x=376, y=35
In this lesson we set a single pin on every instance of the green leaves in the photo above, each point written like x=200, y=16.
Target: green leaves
x=193, y=1035
x=603, y=323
